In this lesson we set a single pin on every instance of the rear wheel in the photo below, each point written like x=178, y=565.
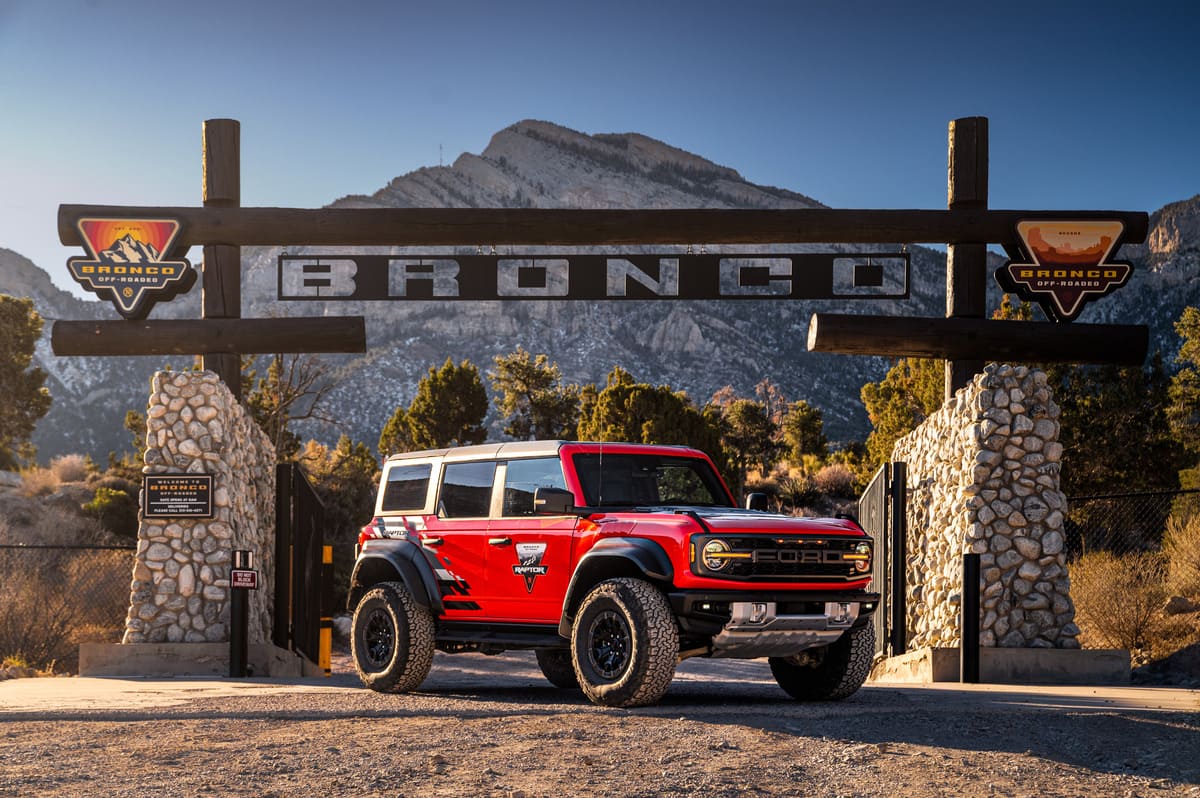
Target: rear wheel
x=830, y=673
x=624, y=644
x=556, y=666
x=391, y=639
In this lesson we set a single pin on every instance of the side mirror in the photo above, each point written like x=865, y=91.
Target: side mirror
x=756, y=501
x=553, y=501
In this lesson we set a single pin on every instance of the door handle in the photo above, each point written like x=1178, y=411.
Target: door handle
x=499, y=541
x=432, y=542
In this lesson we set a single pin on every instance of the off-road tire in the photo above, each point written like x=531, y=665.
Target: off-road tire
x=624, y=644
x=831, y=673
x=556, y=666
x=391, y=639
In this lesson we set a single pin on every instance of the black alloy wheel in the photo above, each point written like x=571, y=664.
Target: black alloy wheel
x=611, y=645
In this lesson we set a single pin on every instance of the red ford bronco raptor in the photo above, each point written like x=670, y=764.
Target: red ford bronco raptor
x=612, y=562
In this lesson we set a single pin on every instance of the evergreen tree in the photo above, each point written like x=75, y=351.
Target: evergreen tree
x=910, y=392
x=396, y=436
x=803, y=430
x=748, y=435
x=26, y=398
x=637, y=412
x=532, y=398
x=1183, y=412
x=1114, y=430
x=449, y=407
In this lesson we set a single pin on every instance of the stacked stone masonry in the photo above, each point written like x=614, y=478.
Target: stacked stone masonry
x=983, y=477
x=180, y=591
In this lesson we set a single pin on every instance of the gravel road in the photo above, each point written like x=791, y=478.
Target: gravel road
x=492, y=726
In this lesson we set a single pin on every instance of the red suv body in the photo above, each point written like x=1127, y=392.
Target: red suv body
x=613, y=562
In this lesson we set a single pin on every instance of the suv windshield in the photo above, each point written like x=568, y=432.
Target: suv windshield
x=633, y=480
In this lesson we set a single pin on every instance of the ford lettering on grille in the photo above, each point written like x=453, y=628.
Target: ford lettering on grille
x=767, y=558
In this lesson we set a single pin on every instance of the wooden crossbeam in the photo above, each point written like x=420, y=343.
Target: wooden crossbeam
x=581, y=227
x=978, y=339
x=209, y=336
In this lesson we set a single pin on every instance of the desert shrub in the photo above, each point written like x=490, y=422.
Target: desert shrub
x=115, y=481
x=116, y=510
x=71, y=467
x=57, y=527
x=1119, y=600
x=835, y=480
x=39, y=481
x=1181, y=547
x=798, y=490
x=53, y=600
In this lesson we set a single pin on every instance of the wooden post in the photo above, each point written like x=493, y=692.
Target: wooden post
x=966, y=264
x=222, y=286
x=959, y=339
x=208, y=337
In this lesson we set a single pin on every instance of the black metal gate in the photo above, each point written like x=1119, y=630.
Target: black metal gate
x=881, y=511
x=302, y=604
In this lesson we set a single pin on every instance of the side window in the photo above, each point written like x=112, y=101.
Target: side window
x=523, y=477
x=406, y=487
x=466, y=490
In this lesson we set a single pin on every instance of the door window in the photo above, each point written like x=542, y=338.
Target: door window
x=466, y=490
x=523, y=477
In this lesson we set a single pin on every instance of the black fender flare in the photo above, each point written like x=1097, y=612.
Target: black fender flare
x=389, y=560
x=611, y=558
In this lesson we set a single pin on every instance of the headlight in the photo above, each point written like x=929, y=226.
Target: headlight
x=861, y=557
x=715, y=554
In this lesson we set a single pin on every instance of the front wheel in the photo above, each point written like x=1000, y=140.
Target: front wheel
x=391, y=639
x=624, y=644
x=830, y=673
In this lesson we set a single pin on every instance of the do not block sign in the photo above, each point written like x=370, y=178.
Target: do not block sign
x=245, y=580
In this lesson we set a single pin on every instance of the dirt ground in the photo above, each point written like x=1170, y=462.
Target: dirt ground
x=492, y=726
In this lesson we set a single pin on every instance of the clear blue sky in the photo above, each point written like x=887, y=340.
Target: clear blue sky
x=1093, y=105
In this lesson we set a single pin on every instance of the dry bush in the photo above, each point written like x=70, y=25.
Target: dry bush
x=53, y=600
x=57, y=527
x=39, y=482
x=1181, y=547
x=835, y=480
x=1119, y=600
x=70, y=467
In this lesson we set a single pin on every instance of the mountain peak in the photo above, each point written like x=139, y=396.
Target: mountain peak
x=539, y=164
x=1174, y=227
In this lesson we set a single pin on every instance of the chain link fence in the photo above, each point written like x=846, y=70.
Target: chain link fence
x=1124, y=523
x=1134, y=565
x=52, y=598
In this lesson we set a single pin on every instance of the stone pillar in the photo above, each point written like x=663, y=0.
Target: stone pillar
x=180, y=589
x=983, y=477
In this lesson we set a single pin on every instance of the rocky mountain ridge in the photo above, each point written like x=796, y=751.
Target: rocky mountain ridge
x=695, y=346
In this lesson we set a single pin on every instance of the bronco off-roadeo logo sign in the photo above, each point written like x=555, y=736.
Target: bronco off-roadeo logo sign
x=1065, y=265
x=127, y=264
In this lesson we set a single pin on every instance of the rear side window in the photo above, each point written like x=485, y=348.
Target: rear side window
x=406, y=487
x=466, y=490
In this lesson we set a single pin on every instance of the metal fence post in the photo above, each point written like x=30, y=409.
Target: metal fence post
x=899, y=558
x=969, y=627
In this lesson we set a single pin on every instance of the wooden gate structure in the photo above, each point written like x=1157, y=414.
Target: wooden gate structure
x=964, y=338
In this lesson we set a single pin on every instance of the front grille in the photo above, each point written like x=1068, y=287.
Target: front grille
x=786, y=558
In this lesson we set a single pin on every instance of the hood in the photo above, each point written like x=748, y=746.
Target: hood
x=732, y=519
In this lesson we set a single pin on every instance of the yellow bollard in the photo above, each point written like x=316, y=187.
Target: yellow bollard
x=326, y=641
